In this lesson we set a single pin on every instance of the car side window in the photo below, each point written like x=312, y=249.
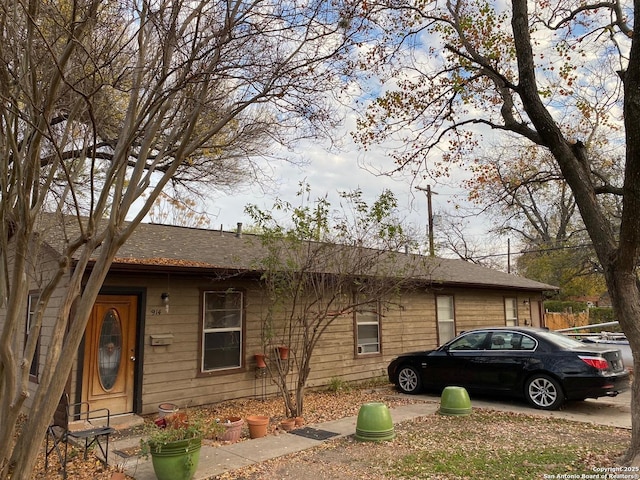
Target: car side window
x=527, y=343
x=511, y=341
x=501, y=341
x=472, y=341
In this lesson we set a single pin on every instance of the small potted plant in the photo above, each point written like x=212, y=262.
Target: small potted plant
x=231, y=429
x=174, y=444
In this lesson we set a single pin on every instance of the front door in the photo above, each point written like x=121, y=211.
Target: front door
x=536, y=308
x=109, y=354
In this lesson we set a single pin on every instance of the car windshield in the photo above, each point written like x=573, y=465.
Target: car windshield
x=560, y=339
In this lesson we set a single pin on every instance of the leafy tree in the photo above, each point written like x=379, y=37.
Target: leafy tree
x=104, y=102
x=571, y=268
x=543, y=72
x=323, y=265
x=524, y=192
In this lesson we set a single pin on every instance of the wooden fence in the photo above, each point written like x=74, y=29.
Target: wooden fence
x=557, y=321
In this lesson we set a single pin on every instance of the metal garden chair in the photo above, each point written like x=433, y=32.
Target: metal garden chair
x=77, y=422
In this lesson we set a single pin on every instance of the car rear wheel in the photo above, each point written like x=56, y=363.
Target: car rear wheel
x=409, y=380
x=544, y=392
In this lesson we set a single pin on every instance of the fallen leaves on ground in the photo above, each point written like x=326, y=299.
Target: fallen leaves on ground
x=487, y=444
x=430, y=442
x=320, y=406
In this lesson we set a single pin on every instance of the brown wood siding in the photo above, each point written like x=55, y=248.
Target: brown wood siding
x=481, y=308
x=171, y=373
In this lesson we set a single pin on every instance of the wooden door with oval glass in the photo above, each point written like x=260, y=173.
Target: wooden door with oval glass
x=109, y=354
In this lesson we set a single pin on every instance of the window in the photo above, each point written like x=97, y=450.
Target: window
x=446, y=319
x=222, y=334
x=512, y=341
x=471, y=341
x=110, y=349
x=511, y=312
x=528, y=343
x=32, y=304
x=368, y=328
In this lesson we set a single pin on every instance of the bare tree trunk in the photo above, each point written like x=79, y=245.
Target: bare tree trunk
x=626, y=303
x=623, y=280
x=632, y=456
x=625, y=294
x=48, y=395
x=11, y=401
x=618, y=256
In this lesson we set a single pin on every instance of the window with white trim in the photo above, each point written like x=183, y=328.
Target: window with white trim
x=446, y=318
x=32, y=304
x=368, y=328
x=511, y=311
x=222, y=335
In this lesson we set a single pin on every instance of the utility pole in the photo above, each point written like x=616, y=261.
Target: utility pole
x=429, y=217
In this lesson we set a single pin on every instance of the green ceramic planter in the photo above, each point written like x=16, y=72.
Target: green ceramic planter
x=374, y=423
x=455, y=401
x=176, y=460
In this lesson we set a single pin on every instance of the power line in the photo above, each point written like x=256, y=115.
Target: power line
x=541, y=250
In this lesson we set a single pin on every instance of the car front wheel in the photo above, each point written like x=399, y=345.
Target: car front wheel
x=409, y=380
x=544, y=392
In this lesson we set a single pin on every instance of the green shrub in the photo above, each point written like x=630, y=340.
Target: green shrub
x=337, y=384
x=175, y=427
x=601, y=315
x=563, y=306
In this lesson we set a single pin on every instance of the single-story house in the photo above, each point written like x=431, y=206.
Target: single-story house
x=147, y=340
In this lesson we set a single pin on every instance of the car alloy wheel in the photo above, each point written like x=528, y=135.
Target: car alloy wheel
x=544, y=392
x=409, y=380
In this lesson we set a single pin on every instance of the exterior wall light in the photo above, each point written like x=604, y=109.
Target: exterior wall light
x=165, y=300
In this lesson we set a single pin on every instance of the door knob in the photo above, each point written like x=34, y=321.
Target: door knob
x=132, y=358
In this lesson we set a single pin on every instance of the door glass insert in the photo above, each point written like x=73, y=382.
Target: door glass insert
x=109, y=349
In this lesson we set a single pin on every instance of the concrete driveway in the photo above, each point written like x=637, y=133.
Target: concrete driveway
x=611, y=411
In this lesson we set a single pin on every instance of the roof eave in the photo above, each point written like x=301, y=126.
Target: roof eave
x=493, y=286
x=139, y=267
x=127, y=267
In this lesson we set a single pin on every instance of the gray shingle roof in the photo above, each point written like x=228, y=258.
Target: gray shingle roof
x=181, y=247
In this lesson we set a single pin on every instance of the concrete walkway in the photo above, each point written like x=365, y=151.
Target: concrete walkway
x=217, y=460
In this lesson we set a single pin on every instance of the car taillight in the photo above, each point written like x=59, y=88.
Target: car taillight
x=596, y=362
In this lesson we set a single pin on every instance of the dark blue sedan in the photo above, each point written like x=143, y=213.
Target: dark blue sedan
x=544, y=367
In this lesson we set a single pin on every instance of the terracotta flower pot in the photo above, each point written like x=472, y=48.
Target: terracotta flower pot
x=260, y=363
x=283, y=352
x=257, y=425
x=288, y=424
